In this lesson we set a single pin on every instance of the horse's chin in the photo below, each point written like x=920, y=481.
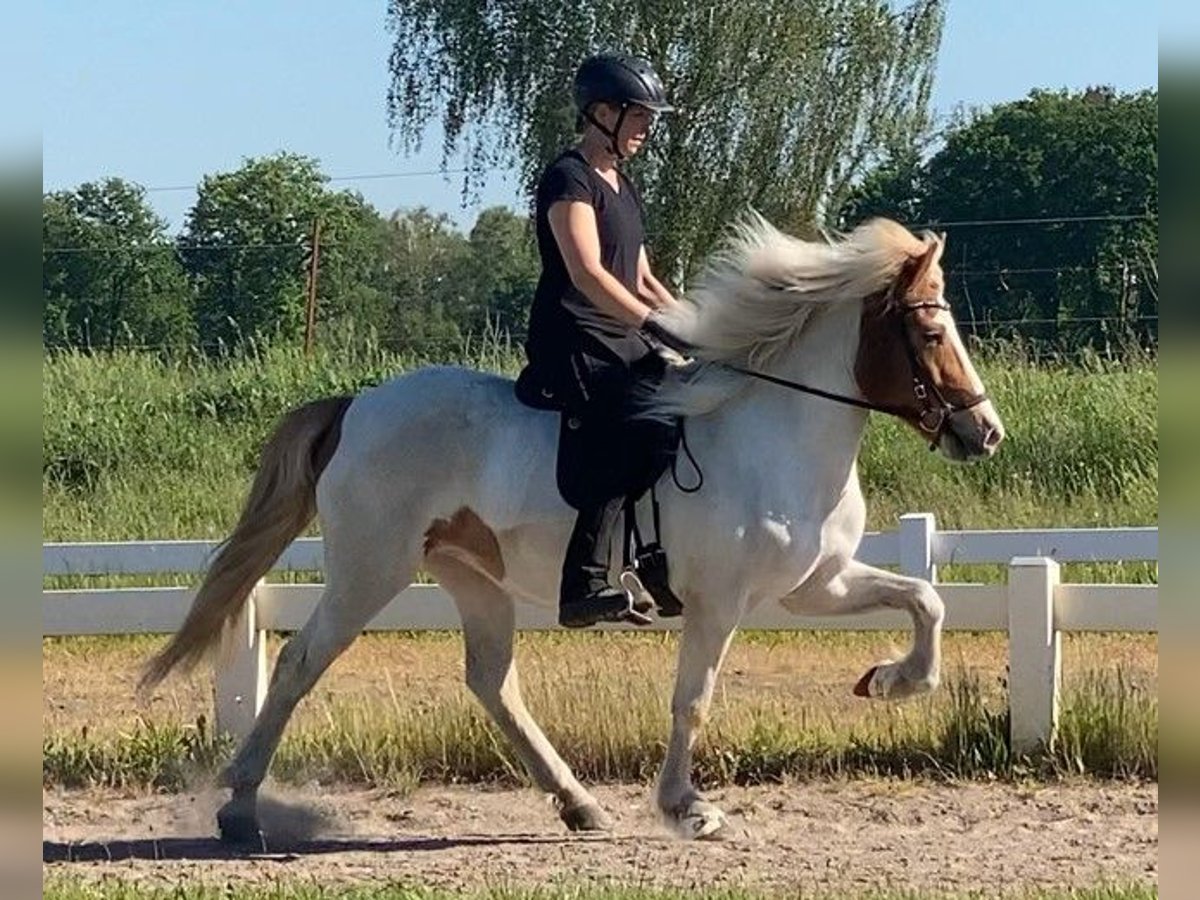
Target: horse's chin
x=951, y=446
x=954, y=448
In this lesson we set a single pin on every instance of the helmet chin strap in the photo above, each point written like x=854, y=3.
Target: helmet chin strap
x=611, y=135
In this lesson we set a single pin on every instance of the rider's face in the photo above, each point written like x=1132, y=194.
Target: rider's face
x=635, y=126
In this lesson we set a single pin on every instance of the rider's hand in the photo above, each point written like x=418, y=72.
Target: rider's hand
x=658, y=328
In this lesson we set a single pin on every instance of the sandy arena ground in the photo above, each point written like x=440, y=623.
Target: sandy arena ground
x=835, y=836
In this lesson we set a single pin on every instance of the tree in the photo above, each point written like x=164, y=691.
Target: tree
x=782, y=104
x=110, y=275
x=1085, y=156
x=504, y=270
x=428, y=286
x=247, y=242
x=1087, y=161
x=895, y=189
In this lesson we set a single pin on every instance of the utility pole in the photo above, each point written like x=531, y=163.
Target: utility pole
x=310, y=320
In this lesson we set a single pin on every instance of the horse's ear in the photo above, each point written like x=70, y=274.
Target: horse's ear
x=927, y=260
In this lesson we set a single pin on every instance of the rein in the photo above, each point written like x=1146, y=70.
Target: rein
x=936, y=410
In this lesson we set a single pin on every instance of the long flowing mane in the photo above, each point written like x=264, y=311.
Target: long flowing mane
x=759, y=291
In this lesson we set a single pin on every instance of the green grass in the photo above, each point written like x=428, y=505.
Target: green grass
x=139, y=448
x=615, y=733
x=59, y=887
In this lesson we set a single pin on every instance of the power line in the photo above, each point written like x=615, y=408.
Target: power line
x=183, y=248
x=1046, y=220
x=220, y=248
x=367, y=176
x=1045, y=270
x=1068, y=320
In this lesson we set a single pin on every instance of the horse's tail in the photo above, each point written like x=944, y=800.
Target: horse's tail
x=282, y=502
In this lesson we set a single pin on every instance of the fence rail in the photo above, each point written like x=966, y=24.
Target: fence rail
x=1034, y=608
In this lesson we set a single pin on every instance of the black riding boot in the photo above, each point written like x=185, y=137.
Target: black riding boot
x=585, y=596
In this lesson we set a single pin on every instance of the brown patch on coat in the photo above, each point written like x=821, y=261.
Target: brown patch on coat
x=466, y=537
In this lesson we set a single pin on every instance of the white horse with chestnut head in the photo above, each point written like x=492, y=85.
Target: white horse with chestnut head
x=444, y=470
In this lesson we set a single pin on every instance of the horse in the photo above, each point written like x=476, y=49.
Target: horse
x=443, y=469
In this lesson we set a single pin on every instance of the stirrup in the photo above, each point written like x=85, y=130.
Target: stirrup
x=641, y=601
x=651, y=566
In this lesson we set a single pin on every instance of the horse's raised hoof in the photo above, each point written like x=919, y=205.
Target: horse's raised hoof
x=586, y=817
x=699, y=821
x=238, y=825
x=863, y=687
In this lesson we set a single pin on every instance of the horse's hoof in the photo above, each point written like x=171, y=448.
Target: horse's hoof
x=238, y=825
x=700, y=821
x=586, y=817
x=863, y=687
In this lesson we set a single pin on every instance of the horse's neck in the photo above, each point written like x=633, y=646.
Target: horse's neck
x=818, y=438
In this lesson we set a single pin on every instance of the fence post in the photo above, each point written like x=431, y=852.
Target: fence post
x=1034, y=657
x=240, y=684
x=916, y=545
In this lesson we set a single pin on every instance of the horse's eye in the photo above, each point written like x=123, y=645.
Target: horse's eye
x=934, y=338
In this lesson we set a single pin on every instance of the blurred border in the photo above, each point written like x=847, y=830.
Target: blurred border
x=1179, y=427
x=20, y=442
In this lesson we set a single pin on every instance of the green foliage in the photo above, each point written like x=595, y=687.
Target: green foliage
x=1051, y=155
x=247, y=241
x=1081, y=450
x=411, y=282
x=110, y=275
x=780, y=105
x=426, y=285
x=139, y=447
x=112, y=279
x=503, y=271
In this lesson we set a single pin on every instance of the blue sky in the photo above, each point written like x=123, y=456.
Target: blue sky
x=162, y=93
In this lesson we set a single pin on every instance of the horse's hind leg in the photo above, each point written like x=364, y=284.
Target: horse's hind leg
x=488, y=627
x=857, y=587
x=355, y=592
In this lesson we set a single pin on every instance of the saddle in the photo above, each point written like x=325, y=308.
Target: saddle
x=644, y=574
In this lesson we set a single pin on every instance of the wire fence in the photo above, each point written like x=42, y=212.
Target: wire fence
x=1140, y=320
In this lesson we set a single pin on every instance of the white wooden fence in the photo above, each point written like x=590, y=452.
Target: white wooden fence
x=1033, y=607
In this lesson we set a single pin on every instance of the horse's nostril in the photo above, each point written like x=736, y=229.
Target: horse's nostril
x=993, y=438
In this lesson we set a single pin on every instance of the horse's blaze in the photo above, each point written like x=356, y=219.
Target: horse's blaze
x=863, y=687
x=465, y=534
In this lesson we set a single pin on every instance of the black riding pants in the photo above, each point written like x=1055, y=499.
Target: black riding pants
x=606, y=450
x=606, y=453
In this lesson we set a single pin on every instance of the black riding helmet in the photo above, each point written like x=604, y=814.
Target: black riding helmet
x=622, y=81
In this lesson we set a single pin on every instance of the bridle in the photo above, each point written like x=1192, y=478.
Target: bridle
x=936, y=410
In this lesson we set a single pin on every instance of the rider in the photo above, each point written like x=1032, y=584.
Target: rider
x=593, y=328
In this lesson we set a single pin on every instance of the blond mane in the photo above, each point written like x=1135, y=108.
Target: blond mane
x=759, y=290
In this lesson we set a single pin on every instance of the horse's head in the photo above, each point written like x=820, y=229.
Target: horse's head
x=912, y=361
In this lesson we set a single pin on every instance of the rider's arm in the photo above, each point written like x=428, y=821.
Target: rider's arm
x=650, y=289
x=573, y=224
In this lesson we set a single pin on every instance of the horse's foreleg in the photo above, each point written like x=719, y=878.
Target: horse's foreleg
x=857, y=587
x=705, y=640
x=488, y=627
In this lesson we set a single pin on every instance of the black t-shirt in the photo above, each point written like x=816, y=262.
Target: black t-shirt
x=563, y=320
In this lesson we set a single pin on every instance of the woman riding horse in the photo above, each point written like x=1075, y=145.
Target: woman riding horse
x=593, y=327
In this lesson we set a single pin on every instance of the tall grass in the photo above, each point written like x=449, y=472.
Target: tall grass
x=135, y=447
x=612, y=730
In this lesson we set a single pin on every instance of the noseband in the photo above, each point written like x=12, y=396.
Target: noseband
x=936, y=410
